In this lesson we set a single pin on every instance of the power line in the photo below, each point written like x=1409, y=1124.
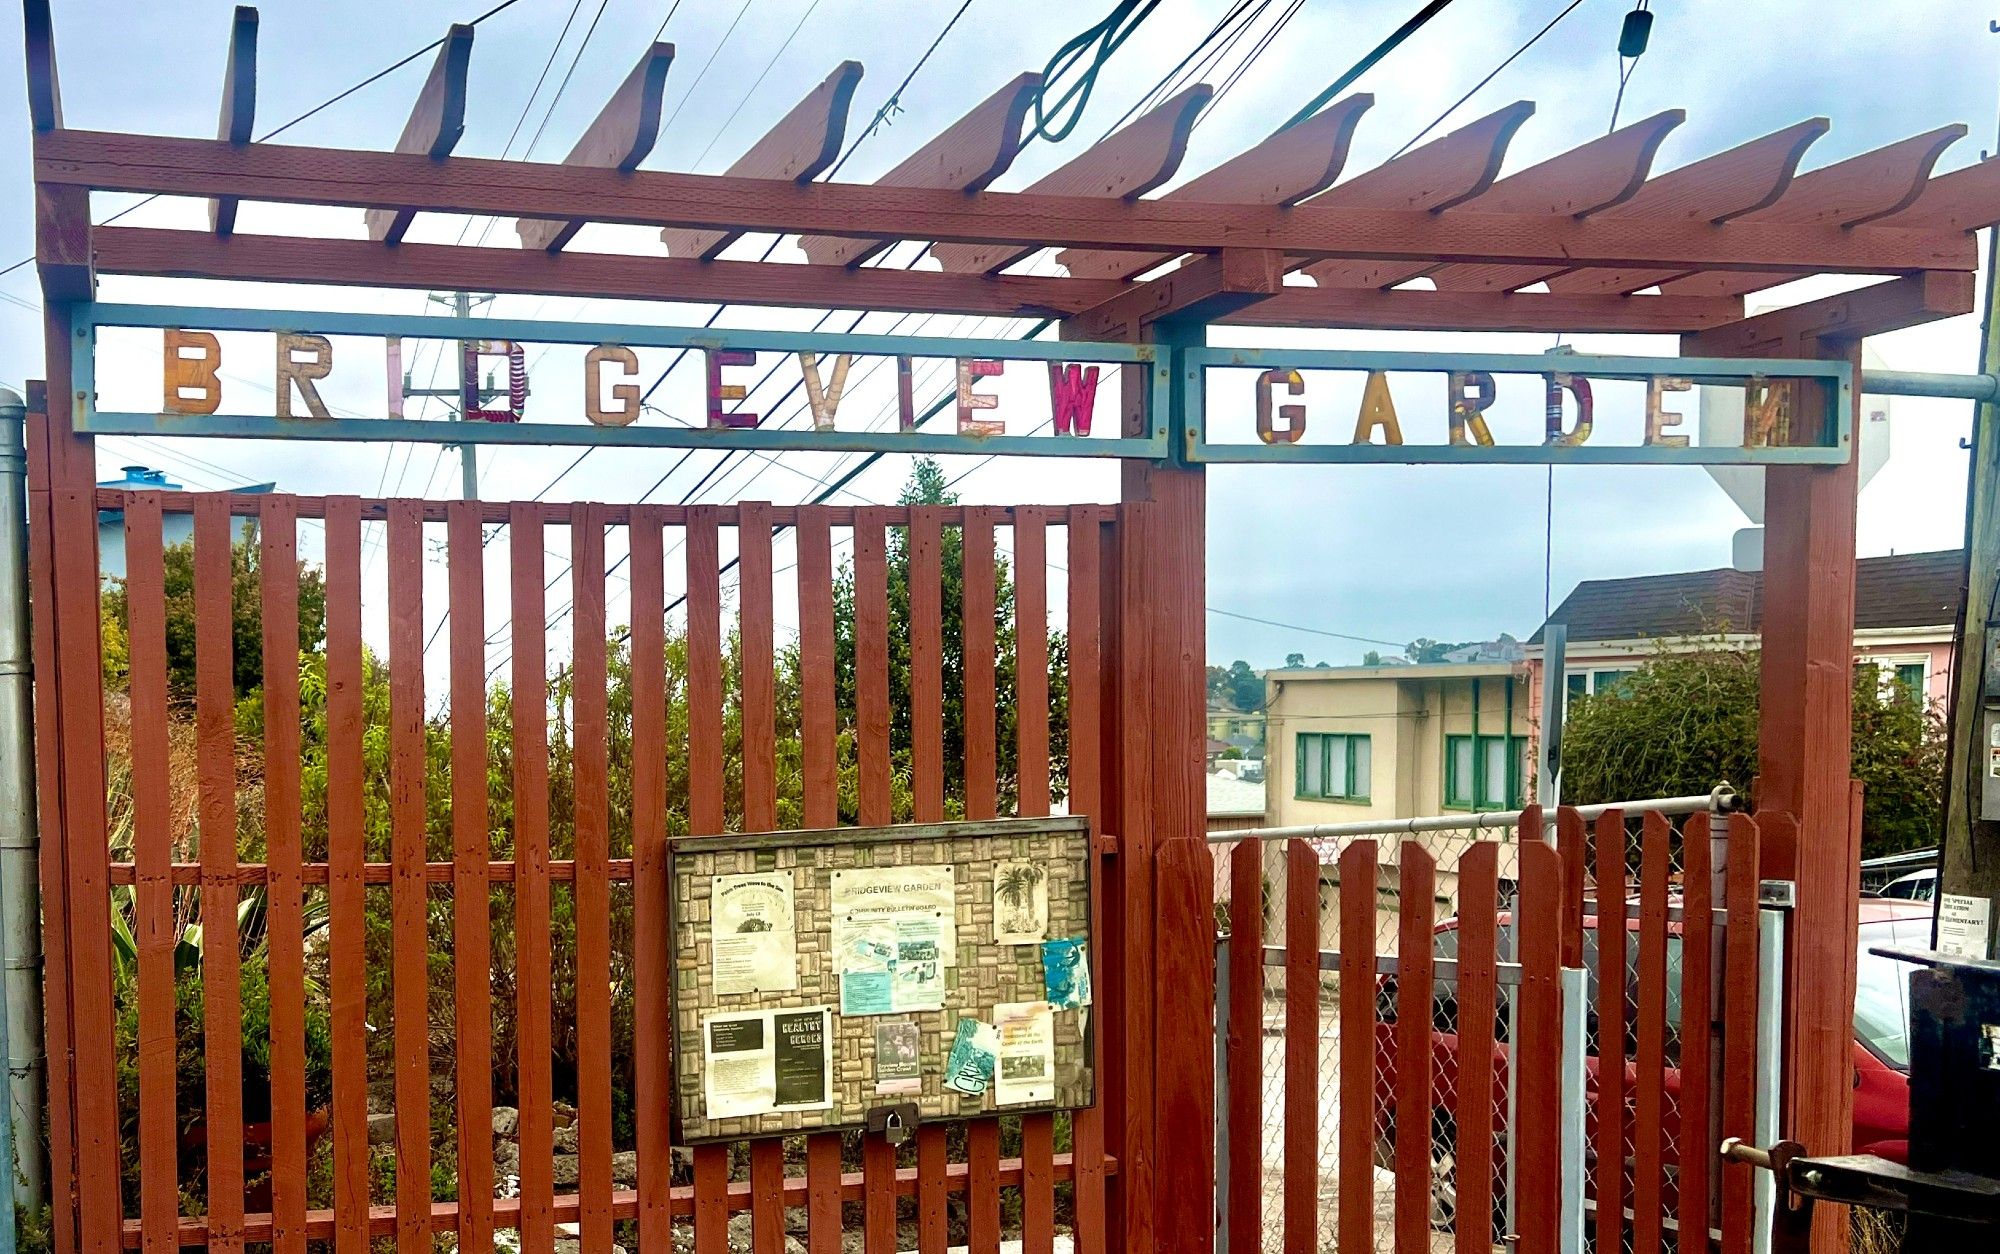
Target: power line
x=755, y=84
x=1491, y=74
x=1416, y=23
x=1317, y=631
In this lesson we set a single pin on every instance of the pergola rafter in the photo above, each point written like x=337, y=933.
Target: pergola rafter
x=1588, y=221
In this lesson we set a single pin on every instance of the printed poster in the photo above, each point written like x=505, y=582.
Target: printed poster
x=1020, y=903
x=969, y=1069
x=753, y=937
x=1066, y=972
x=758, y=1061
x=867, y=898
x=894, y=932
x=898, y=1058
x=1026, y=1059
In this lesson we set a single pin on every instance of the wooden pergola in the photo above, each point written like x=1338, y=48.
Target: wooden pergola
x=1591, y=240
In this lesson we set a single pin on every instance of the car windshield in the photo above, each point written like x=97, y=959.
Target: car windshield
x=1882, y=990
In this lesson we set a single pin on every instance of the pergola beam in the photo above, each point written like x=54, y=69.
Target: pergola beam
x=239, y=104
x=619, y=138
x=436, y=122
x=1881, y=307
x=161, y=253
x=281, y=259
x=416, y=183
x=38, y=39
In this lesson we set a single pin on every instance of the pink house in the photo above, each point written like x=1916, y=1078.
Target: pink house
x=1906, y=609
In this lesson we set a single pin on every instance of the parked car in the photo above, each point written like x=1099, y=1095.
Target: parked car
x=1881, y=1056
x=1916, y=886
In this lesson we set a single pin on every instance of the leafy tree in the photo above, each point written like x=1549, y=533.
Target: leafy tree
x=1294, y=661
x=927, y=486
x=246, y=567
x=1426, y=651
x=1689, y=717
x=1246, y=687
x=1371, y=658
x=1218, y=684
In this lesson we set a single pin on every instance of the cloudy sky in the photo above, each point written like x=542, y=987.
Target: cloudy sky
x=1380, y=553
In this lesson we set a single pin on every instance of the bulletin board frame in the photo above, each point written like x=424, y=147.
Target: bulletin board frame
x=985, y=973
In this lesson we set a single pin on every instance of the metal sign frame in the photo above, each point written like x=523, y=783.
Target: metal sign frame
x=1178, y=428
x=1195, y=446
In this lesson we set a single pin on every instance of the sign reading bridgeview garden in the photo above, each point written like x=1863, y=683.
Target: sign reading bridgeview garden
x=601, y=383
x=819, y=975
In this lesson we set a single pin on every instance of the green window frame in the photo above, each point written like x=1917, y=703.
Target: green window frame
x=1485, y=772
x=1910, y=677
x=1333, y=767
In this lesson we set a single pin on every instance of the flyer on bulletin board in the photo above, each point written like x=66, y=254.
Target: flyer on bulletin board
x=1025, y=1065
x=754, y=940
x=759, y=1061
x=894, y=933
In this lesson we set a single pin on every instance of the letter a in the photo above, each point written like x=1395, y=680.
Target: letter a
x=1378, y=409
x=194, y=374
x=1072, y=396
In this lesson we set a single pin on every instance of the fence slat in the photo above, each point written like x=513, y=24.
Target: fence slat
x=1245, y=1047
x=285, y=905
x=1694, y=1148
x=1611, y=940
x=593, y=883
x=1031, y=728
x=1186, y=1040
x=1648, y=1132
x=409, y=893
x=471, y=890
x=1739, y=1025
x=1357, y=1048
x=819, y=726
x=705, y=805
x=652, y=970
x=1086, y=538
x=221, y=975
x=981, y=768
x=152, y=852
x=1478, y=1077
x=871, y=718
x=926, y=546
x=760, y=800
x=1417, y=884
x=1539, y=1039
x=1570, y=842
x=534, y=990
x=346, y=895
x=1301, y=1047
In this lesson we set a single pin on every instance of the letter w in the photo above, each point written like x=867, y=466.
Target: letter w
x=1072, y=396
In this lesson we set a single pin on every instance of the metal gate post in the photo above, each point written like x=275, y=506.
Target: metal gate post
x=1570, y=1084
x=20, y=905
x=1770, y=1040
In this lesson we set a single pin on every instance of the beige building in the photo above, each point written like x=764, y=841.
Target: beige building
x=1379, y=742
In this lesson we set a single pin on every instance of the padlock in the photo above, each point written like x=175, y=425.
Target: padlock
x=895, y=1123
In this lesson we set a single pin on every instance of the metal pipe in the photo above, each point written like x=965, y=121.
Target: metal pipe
x=1959, y=387
x=1722, y=800
x=20, y=903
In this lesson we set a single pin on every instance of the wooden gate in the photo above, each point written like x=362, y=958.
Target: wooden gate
x=440, y=891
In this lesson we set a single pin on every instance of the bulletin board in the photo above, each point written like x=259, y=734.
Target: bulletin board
x=819, y=975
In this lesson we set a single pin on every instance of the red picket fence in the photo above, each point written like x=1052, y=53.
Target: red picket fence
x=385, y=842
x=1322, y=1070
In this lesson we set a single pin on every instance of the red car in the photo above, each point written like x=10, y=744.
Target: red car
x=1881, y=1048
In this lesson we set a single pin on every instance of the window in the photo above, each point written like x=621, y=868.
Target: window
x=1598, y=682
x=1897, y=678
x=1333, y=768
x=1579, y=683
x=1910, y=678
x=1485, y=772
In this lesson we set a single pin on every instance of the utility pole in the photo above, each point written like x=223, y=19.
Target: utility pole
x=462, y=305
x=1969, y=870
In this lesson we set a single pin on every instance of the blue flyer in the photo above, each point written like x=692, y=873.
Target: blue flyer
x=1066, y=972
x=865, y=992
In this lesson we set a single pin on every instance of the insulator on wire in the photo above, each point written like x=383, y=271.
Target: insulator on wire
x=1633, y=35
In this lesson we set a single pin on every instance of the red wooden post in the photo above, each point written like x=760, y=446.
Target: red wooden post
x=1739, y=1025
x=1358, y=869
x=1803, y=763
x=1694, y=1147
x=1301, y=1162
x=652, y=960
x=1611, y=938
x=285, y=930
x=534, y=1004
x=1480, y=1096
x=346, y=893
x=409, y=892
x=1246, y=1044
x=1414, y=1063
x=471, y=884
x=1648, y=1135
x=592, y=888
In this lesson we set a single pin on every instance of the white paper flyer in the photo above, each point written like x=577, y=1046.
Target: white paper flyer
x=1020, y=903
x=1025, y=1070
x=754, y=940
x=758, y=1061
